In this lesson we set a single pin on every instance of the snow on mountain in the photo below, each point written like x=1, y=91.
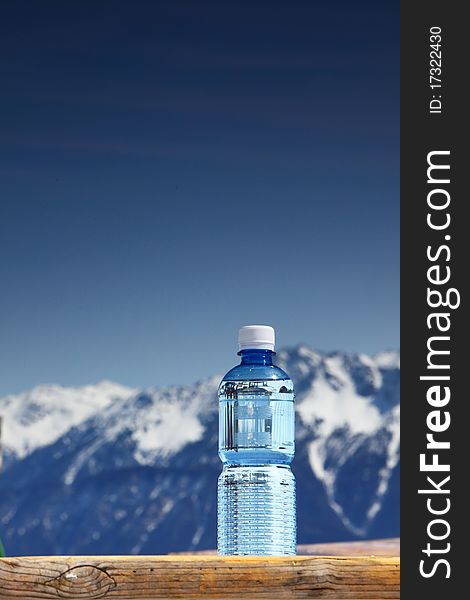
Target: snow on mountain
x=39, y=417
x=387, y=360
x=338, y=402
x=147, y=459
x=160, y=423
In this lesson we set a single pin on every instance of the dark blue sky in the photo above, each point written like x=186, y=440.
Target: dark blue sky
x=172, y=170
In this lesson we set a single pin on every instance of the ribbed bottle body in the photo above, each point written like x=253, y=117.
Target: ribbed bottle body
x=256, y=511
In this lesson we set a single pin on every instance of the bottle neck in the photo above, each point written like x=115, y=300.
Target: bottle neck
x=258, y=356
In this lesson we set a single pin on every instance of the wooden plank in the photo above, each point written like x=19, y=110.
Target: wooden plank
x=385, y=547
x=196, y=577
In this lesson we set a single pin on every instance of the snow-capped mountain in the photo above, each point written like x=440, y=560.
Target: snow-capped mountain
x=110, y=469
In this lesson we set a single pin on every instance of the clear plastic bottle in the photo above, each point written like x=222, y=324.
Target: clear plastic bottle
x=256, y=489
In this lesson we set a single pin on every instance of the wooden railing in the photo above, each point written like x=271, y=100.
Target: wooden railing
x=339, y=576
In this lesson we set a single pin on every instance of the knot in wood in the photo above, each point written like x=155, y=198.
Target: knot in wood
x=84, y=578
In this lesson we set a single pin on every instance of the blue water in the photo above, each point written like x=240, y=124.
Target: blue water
x=256, y=489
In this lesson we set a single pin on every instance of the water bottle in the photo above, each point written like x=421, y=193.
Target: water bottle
x=256, y=489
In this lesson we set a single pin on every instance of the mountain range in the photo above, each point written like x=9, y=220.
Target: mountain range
x=109, y=469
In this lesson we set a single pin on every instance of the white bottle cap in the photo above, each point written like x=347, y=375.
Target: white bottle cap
x=256, y=336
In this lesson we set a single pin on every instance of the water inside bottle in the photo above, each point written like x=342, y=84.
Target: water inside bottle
x=256, y=422
x=256, y=489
